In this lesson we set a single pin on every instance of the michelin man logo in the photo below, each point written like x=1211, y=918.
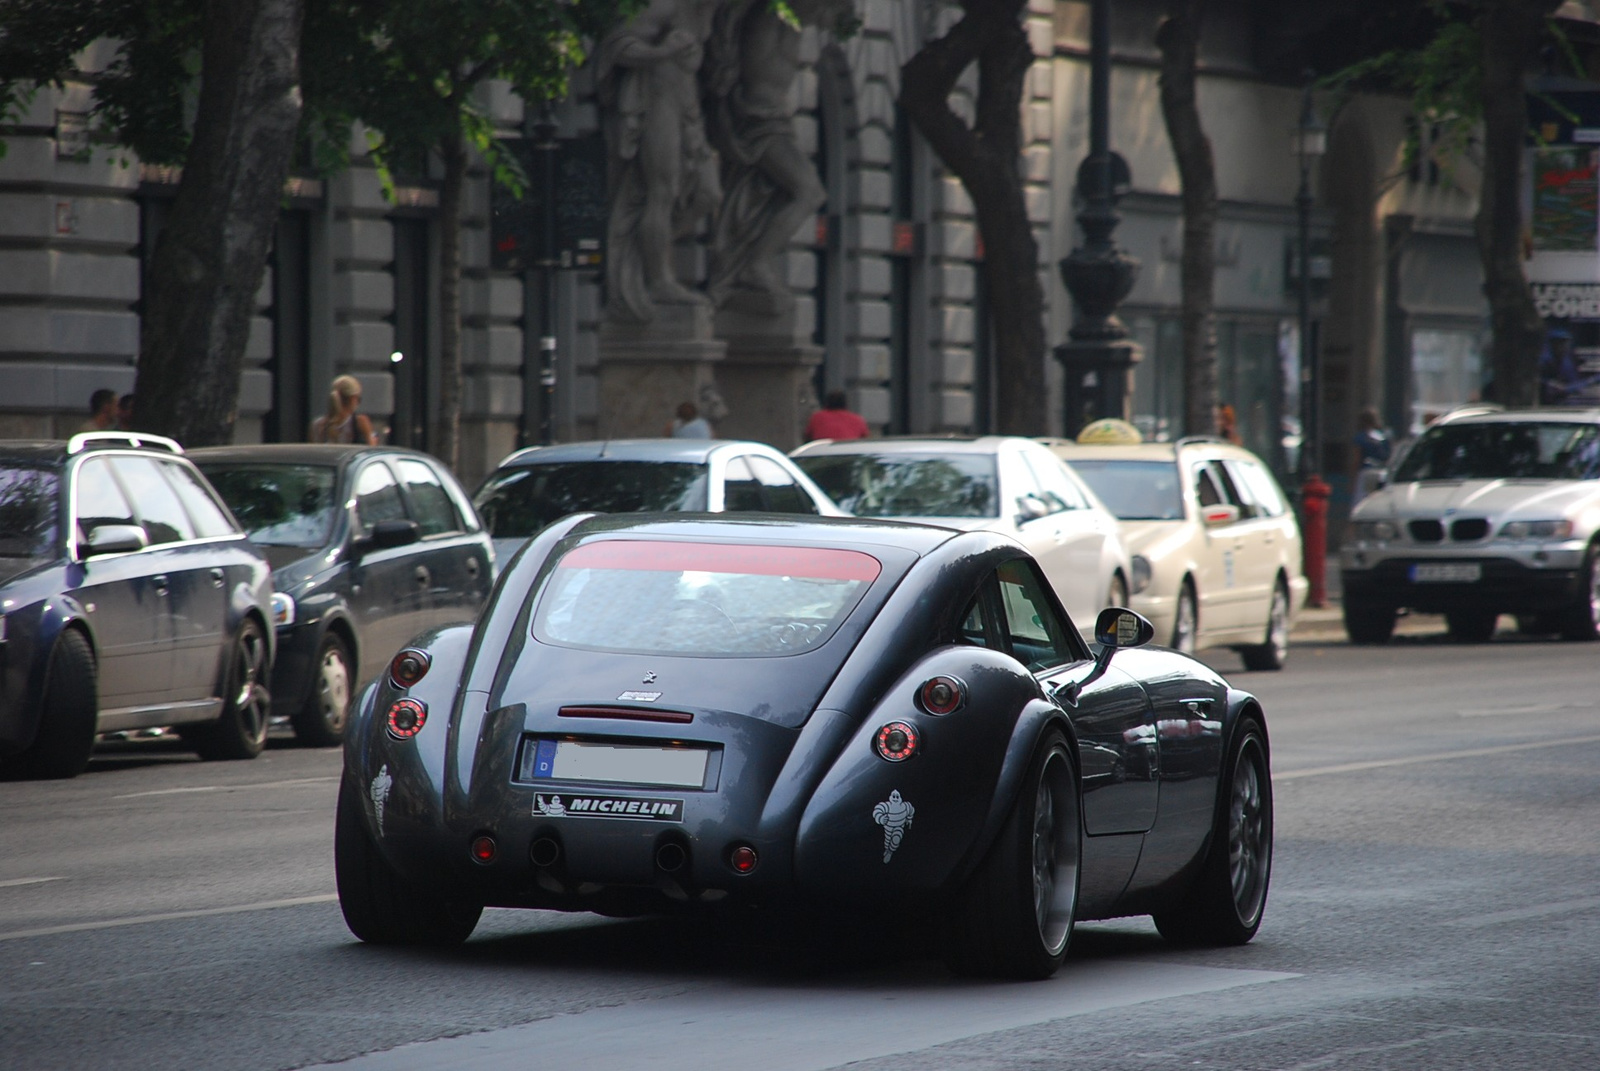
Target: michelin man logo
x=894, y=815
x=380, y=794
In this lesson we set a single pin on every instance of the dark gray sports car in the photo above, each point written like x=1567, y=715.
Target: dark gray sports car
x=687, y=709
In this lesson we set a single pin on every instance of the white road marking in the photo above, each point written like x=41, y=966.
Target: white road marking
x=787, y=1028
x=1538, y=911
x=11, y=883
x=1442, y=756
x=169, y=916
x=226, y=788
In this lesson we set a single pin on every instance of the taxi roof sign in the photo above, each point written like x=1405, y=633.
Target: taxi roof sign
x=1110, y=432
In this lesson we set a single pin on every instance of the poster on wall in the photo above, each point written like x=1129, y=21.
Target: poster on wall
x=1569, y=361
x=1566, y=200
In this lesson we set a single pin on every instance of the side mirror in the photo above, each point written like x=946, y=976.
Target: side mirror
x=1031, y=508
x=1115, y=629
x=114, y=539
x=387, y=534
x=1217, y=516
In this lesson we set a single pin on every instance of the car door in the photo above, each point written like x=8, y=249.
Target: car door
x=1113, y=720
x=388, y=586
x=125, y=603
x=1082, y=530
x=779, y=491
x=1035, y=518
x=1217, y=550
x=223, y=556
x=741, y=491
x=453, y=555
x=1261, y=536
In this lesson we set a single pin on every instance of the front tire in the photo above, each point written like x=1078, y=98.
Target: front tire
x=1580, y=623
x=1227, y=900
x=67, y=717
x=1186, y=621
x=1117, y=593
x=1014, y=916
x=241, y=731
x=320, y=721
x=1273, y=651
x=381, y=906
x=1368, y=624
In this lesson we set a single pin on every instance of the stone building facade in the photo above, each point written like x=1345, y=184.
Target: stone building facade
x=889, y=303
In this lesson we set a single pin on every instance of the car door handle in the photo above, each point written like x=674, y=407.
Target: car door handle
x=160, y=583
x=216, y=578
x=422, y=575
x=472, y=568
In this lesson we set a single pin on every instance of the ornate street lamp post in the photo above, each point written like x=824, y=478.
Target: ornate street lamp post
x=1310, y=142
x=539, y=382
x=1099, y=357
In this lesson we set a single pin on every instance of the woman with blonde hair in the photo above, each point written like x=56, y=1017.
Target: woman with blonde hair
x=341, y=423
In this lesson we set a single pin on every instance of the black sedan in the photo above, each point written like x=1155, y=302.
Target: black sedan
x=129, y=599
x=656, y=711
x=369, y=546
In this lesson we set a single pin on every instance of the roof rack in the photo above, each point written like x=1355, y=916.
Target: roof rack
x=89, y=440
x=1189, y=440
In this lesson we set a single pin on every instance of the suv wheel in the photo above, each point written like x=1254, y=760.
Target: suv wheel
x=1581, y=621
x=1368, y=623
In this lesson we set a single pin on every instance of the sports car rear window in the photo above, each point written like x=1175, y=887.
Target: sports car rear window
x=715, y=599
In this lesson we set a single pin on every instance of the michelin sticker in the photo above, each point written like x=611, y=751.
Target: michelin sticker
x=550, y=805
x=894, y=815
x=380, y=794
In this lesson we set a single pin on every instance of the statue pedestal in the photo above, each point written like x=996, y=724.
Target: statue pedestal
x=647, y=370
x=766, y=379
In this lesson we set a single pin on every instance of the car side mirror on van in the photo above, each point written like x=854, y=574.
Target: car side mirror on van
x=1219, y=515
x=114, y=539
x=387, y=534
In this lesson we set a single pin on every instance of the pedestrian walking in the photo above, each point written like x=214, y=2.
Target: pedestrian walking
x=102, y=411
x=835, y=420
x=1373, y=450
x=689, y=424
x=342, y=423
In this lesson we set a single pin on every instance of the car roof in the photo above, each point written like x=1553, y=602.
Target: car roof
x=910, y=444
x=333, y=454
x=695, y=451
x=1488, y=415
x=1070, y=450
x=34, y=451
x=787, y=529
x=57, y=451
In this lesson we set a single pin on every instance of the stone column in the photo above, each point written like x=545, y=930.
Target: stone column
x=766, y=377
x=648, y=369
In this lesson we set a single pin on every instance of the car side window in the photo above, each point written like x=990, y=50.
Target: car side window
x=377, y=497
x=209, y=518
x=1205, y=488
x=1037, y=633
x=156, y=502
x=740, y=491
x=978, y=627
x=1256, y=482
x=100, y=500
x=782, y=493
x=433, y=511
x=1059, y=482
x=1230, y=491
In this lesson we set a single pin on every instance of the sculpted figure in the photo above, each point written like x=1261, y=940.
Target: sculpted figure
x=663, y=174
x=771, y=186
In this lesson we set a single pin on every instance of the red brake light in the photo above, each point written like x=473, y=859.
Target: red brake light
x=409, y=667
x=896, y=741
x=942, y=695
x=743, y=858
x=406, y=718
x=484, y=849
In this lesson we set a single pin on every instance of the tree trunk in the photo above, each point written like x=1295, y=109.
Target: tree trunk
x=1179, y=39
x=210, y=258
x=985, y=158
x=447, y=430
x=1511, y=30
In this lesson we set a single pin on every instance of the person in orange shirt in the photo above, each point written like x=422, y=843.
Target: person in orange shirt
x=835, y=421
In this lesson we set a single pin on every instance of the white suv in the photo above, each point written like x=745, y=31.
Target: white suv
x=1487, y=513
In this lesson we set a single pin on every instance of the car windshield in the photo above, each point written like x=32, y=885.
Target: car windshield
x=657, y=597
x=1135, y=490
x=278, y=505
x=1504, y=450
x=518, y=502
x=891, y=484
x=28, y=511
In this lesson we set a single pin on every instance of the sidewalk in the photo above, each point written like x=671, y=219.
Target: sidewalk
x=1326, y=624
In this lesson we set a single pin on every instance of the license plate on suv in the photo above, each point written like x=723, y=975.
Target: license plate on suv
x=1446, y=572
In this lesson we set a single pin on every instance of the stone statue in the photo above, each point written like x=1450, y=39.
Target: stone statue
x=663, y=174
x=771, y=186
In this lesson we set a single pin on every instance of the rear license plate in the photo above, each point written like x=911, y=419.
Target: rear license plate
x=1446, y=572
x=619, y=764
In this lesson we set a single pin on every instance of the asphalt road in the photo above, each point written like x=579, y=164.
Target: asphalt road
x=1435, y=904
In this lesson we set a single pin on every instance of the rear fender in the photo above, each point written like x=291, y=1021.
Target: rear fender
x=29, y=650
x=879, y=827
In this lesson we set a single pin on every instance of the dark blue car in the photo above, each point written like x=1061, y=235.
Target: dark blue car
x=369, y=546
x=129, y=598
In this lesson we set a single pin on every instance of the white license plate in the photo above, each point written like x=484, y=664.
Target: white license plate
x=620, y=764
x=1446, y=572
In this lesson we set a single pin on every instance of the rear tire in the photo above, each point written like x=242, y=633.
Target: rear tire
x=1117, y=593
x=1014, y=916
x=1471, y=626
x=61, y=747
x=320, y=721
x=1186, y=620
x=381, y=906
x=1273, y=651
x=1580, y=622
x=241, y=731
x=1225, y=904
x=1368, y=624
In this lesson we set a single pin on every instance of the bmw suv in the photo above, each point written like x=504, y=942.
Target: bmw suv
x=1488, y=513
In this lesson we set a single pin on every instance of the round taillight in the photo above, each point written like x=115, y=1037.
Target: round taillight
x=942, y=695
x=406, y=718
x=897, y=741
x=484, y=849
x=409, y=667
x=742, y=859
